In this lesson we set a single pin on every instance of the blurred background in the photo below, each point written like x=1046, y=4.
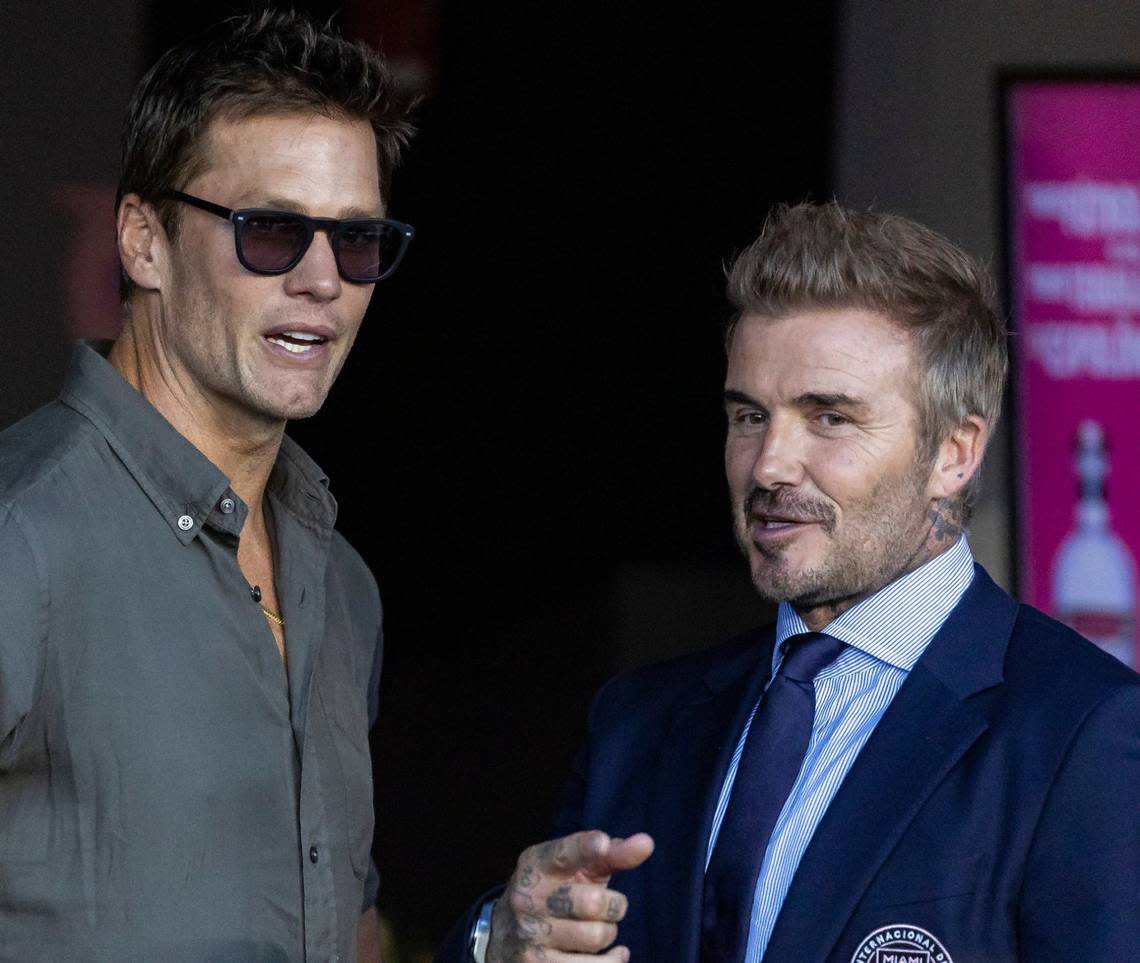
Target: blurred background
x=526, y=441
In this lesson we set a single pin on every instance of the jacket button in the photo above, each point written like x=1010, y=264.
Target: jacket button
x=313, y=854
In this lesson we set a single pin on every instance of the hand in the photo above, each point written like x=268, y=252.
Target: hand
x=557, y=908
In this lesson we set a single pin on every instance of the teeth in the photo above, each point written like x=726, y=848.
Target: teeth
x=294, y=348
x=778, y=524
x=302, y=336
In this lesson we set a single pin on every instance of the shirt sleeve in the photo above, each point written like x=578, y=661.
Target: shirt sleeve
x=23, y=625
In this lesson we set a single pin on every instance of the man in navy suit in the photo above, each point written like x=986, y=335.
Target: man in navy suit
x=909, y=766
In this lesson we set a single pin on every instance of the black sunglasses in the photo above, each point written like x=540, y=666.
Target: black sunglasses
x=367, y=249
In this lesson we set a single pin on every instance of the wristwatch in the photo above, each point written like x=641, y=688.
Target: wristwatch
x=481, y=933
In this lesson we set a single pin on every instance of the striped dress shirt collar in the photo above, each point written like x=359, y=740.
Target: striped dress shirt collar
x=896, y=623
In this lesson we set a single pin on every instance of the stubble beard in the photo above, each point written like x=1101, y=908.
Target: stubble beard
x=249, y=394
x=884, y=537
x=218, y=368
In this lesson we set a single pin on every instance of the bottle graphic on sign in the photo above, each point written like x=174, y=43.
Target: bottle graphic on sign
x=1094, y=576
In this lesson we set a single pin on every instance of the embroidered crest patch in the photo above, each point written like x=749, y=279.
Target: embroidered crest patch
x=901, y=943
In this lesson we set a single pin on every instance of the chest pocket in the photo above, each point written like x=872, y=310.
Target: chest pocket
x=910, y=882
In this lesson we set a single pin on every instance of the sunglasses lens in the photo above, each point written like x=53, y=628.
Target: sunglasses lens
x=272, y=242
x=368, y=250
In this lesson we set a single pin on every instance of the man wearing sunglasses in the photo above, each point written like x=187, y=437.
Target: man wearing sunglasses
x=190, y=653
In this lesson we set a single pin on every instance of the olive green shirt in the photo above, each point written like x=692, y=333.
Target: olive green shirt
x=168, y=790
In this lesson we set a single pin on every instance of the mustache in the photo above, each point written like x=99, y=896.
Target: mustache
x=791, y=505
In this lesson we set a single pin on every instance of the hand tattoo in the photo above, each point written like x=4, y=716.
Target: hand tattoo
x=560, y=903
x=533, y=927
x=518, y=938
x=528, y=877
x=554, y=852
x=613, y=911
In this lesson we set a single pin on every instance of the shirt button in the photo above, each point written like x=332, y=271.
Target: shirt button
x=227, y=506
x=313, y=854
x=185, y=522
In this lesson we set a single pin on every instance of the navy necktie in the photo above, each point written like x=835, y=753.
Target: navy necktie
x=772, y=756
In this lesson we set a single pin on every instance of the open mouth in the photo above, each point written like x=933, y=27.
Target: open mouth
x=765, y=528
x=769, y=521
x=296, y=342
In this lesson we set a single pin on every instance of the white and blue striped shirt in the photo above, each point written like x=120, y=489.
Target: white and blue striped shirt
x=885, y=635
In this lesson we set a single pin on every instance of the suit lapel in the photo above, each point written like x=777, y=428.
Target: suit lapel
x=694, y=758
x=929, y=725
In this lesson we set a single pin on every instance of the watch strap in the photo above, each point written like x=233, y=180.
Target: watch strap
x=481, y=933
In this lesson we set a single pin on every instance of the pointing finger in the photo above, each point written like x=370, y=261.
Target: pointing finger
x=619, y=854
x=571, y=853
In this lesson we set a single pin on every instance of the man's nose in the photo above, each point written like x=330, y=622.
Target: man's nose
x=316, y=274
x=779, y=460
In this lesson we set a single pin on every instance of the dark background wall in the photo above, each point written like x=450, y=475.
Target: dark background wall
x=65, y=75
x=525, y=444
x=548, y=453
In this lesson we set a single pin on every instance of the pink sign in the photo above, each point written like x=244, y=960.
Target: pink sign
x=1075, y=193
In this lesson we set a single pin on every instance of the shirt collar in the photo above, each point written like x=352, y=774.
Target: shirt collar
x=187, y=488
x=896, y=624
x=302, y=486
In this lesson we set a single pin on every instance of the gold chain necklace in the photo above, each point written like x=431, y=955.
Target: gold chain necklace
x=272, y=616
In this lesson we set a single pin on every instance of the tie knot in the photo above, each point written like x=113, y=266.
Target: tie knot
x=806, y=655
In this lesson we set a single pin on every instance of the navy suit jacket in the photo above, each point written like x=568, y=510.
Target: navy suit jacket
x=995, y=806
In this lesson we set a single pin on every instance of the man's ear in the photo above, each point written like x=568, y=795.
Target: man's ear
x=143, y=243
x=958, y=459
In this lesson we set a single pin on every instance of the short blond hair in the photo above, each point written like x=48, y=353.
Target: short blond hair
x=812, y=256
